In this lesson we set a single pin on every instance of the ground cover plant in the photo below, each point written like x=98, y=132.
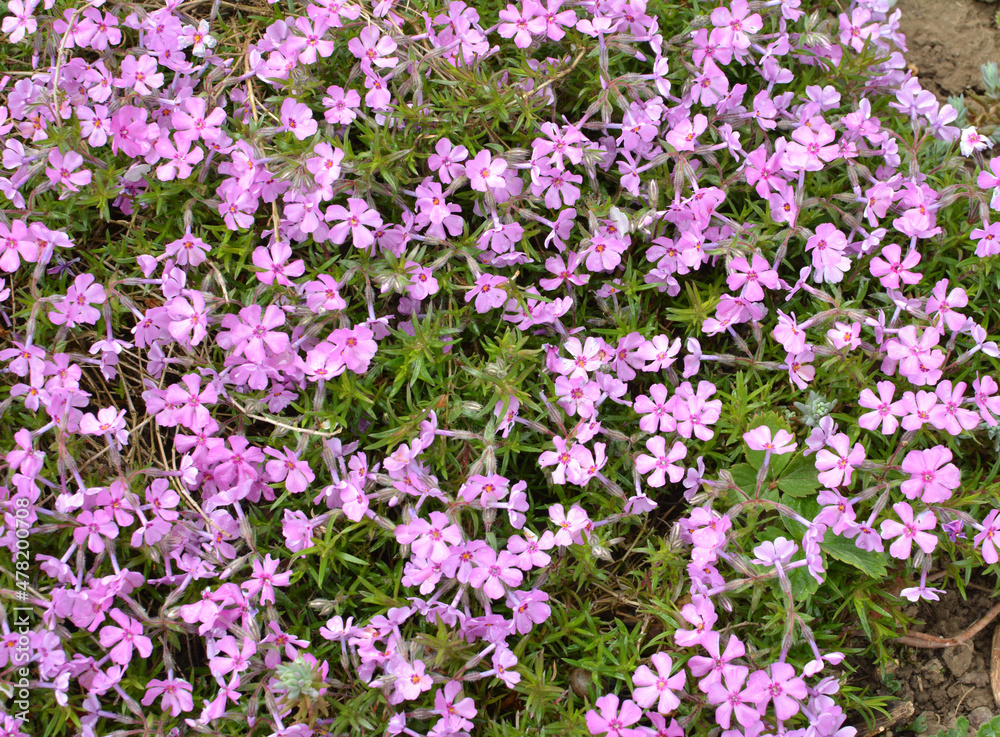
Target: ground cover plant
x=610, y=368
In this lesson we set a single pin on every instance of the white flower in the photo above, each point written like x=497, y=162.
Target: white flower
x=971, y=141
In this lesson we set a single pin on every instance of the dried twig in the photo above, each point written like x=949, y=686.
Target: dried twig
x=995, y=666
x=923, y=640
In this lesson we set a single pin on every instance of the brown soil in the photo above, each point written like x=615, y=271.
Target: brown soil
x=945, y=684
x=948, y=40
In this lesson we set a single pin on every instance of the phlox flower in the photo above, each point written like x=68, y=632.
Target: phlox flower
x=94, y=527
x=829, y=261
x=411, y=680
x=256, y=330
x=140, y=74
x=949, y=414
x=63, y=170
x=894, y=269
x=522, y=24
x=932, y=477
x=21, y=21
x=124, y=638
x=340, y=105
x=732, y=698
x=760, y=438
x=843, y=336
x=917, y=409
x=662, y=462
x=355, y=221
x=76, y=307
x=985, y=389
x=752, y=277
x=837, y=466
x=656, y=410
x=264, y=577
x=187, y=250
x=273, y=259
x=988, y=536
x=493, y=571
x=289, y=468
x=188, y=318
x=175, y=693
x=909, y=530
x=885, y=411
x=971, y=140
x=297, y=118
x=781, y=687
x=659, y=352
x=658, y=688
x=577, y=395
x=485, y=172
x=489, y=292
x=325, y=164
x=109, y=421
x=611, y=720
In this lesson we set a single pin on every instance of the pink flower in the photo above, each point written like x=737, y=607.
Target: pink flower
x=75, y=307
x=288, y=468
x=109, y=421
x=446, y=160
x=987, y=537
x=751, y=277
x=188, y=249
x=731, y=698
x=909, y=531
x=661, y=462
x=760, y=439
x=659, y=352
x=63, y=170
x=521, y=25
x=894, y=270
x=656, y=410
x=658, y=687
x=885, y=411
x=340, y=105
x=176, y=694
x=488, y=292
x=325, y=164
x=94, y=527
x=611, y=721
x=140, y=75
x=411, y=680
x=930, y=479
x=273, y=260
x=781, y=686
x=836, y=468
x=125, y=638
x=373, y=48
x=493, y=571
x=264, y=578
x=485, y=173
x=949, y=414
x=257, y=330
x=809, y=148
x=357, y=220
x=297, y=118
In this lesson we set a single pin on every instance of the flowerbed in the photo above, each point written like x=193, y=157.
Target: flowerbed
x=589, y=367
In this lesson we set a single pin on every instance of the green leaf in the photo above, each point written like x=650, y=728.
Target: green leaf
x=799, y=479
x=990, y=728
x=870, y=563
x=745, y=477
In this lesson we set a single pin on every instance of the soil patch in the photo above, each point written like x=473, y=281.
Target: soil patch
x=948, y=683
x=948, y=40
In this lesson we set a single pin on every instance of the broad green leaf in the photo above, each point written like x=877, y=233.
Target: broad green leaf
x=870, y=563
